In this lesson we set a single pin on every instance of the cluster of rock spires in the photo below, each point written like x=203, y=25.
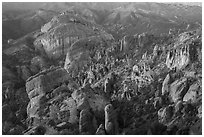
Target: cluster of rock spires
x=142, y=84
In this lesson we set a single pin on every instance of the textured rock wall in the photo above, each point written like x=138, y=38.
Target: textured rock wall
x=186, y=50
x=45, y=81
x=39, y=85
x=62, y=31
x=178, y=58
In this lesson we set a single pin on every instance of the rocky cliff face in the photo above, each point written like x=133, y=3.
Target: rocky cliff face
x=40, y=85
x=51, y=98
x=184, y=51
x=62, y=31
x=118, y=83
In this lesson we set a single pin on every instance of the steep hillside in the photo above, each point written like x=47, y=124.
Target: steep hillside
x=102, y=69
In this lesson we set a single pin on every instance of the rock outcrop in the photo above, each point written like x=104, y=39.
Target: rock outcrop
x=73, y=76
x=111, y=125
x=39, y=88
x=87, y=97
x=82, y=51
x=165, y=85
x=184, y=51
x=194, y=93
x=86, y=125
x=62, y=31
x=165, y=114
x=178, y=89
x=51, y=99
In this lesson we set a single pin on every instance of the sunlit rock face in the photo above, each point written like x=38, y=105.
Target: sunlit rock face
x=179, y=58
x=62, y=31
x=83, y=50
x=185, y=50
x=40, y=87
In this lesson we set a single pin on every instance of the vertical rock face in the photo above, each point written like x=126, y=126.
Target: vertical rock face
x=38, y=88
x=111, y=125
x=62, y=31
x=86, y=122
x=178, y=58
x=43, y=82
x=165, y=85
x=184, y=51
x=57, y=41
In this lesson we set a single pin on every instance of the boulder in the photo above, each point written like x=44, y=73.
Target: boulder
x=86, y=122
x=165, y=84
x=165, y=114
x=101, y=130
x=193, y=93
x=157, y=103
x=178, y=89
x=178, y=106
x=111, y=124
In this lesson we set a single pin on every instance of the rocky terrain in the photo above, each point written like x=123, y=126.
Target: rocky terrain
x=102, y=69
